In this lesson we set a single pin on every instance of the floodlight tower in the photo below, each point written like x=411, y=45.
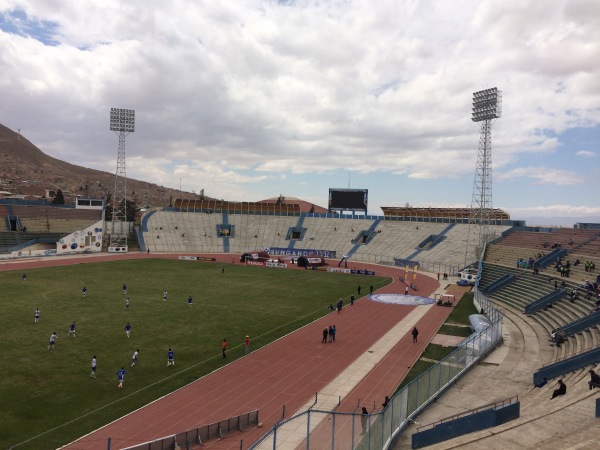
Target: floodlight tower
x=122, y=122
x=487, y=107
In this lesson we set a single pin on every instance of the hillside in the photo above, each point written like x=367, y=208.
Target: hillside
x=26, y=170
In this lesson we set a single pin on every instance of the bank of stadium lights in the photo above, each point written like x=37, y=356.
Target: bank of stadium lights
x=122, y=122
x=487, y=107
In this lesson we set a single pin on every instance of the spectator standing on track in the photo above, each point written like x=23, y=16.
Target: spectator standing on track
x=53, y=338
x=127, y=329
x=36, y=315
x=224, y=347
x=330, y=333
x=170, y=358
x=333, y=331
x=121, y=377
x=93, y=374
x=247, y=345
x=406, y=290
x=124, y=289
x=386, y=401
x=340, y=305
x=562, y=390
x=358, y=289
x=135, y=357
x=325, y=333
x=84, y=292
x=415, y=334
x=364, y=419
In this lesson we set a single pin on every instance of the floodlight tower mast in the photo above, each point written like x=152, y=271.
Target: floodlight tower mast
x=487, y=107
x=122, y=122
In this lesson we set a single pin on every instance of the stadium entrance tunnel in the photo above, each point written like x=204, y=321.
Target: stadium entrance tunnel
x=311, y=260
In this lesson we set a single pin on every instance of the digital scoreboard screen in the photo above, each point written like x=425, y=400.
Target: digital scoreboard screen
x=348, y=199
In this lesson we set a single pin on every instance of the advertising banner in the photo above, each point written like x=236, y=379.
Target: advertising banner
x=282, y=251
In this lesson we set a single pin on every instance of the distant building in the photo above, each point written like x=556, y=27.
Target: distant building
x=89, y=203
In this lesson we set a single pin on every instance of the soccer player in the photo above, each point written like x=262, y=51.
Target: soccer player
x=164, y=295
x=84, y=292
x=124, y=289
x=135, y=357
x=127, y=329
x=24, y=278
x=93, y=374
x=170, y=357
x=190, y=301
x=127, y=304
x=72, y=329
x=224, y=347
x=121, y=377
x=53, y=338
x=36, y=315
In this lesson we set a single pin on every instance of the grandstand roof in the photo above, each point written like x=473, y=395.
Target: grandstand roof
x=304, y=205
x=464, y=213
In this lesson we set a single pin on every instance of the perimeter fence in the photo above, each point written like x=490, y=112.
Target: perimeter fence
x=314, y=429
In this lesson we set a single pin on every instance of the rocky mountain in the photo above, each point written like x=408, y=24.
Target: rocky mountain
x=26, y=170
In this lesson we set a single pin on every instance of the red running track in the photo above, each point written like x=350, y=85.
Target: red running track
x=287, y=372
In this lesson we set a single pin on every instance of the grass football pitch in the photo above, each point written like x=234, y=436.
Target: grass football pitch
x=48, y=398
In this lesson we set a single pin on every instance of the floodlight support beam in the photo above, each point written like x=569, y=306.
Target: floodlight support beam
x=487, y=107
x=122, y=122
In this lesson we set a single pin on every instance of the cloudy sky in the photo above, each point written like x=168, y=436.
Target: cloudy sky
x=250, y=99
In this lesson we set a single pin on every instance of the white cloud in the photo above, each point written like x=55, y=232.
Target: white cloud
x=586, y=154
x=543, y=175
x=276, y=88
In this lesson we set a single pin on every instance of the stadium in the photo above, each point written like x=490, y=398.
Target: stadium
x=480, y=394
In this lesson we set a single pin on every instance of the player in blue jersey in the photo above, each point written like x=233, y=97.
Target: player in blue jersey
x=121, y=377
x=84, y=292
x=170, y=357
x=127, y=329
x=72, y=329
x=190, y=301
x=124, y=289
x=135, y=357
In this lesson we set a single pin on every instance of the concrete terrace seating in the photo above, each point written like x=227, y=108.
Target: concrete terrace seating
x=48, y=219
x=535, y=240
x=259, y=232
x=458, y=238
x=528, y=288
x=589, y=249
x=397, y=239
x=183, y=232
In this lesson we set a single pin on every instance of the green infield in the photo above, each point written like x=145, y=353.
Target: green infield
x=48, y=397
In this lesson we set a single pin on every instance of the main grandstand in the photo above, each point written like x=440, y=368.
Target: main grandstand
x=434, y=240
